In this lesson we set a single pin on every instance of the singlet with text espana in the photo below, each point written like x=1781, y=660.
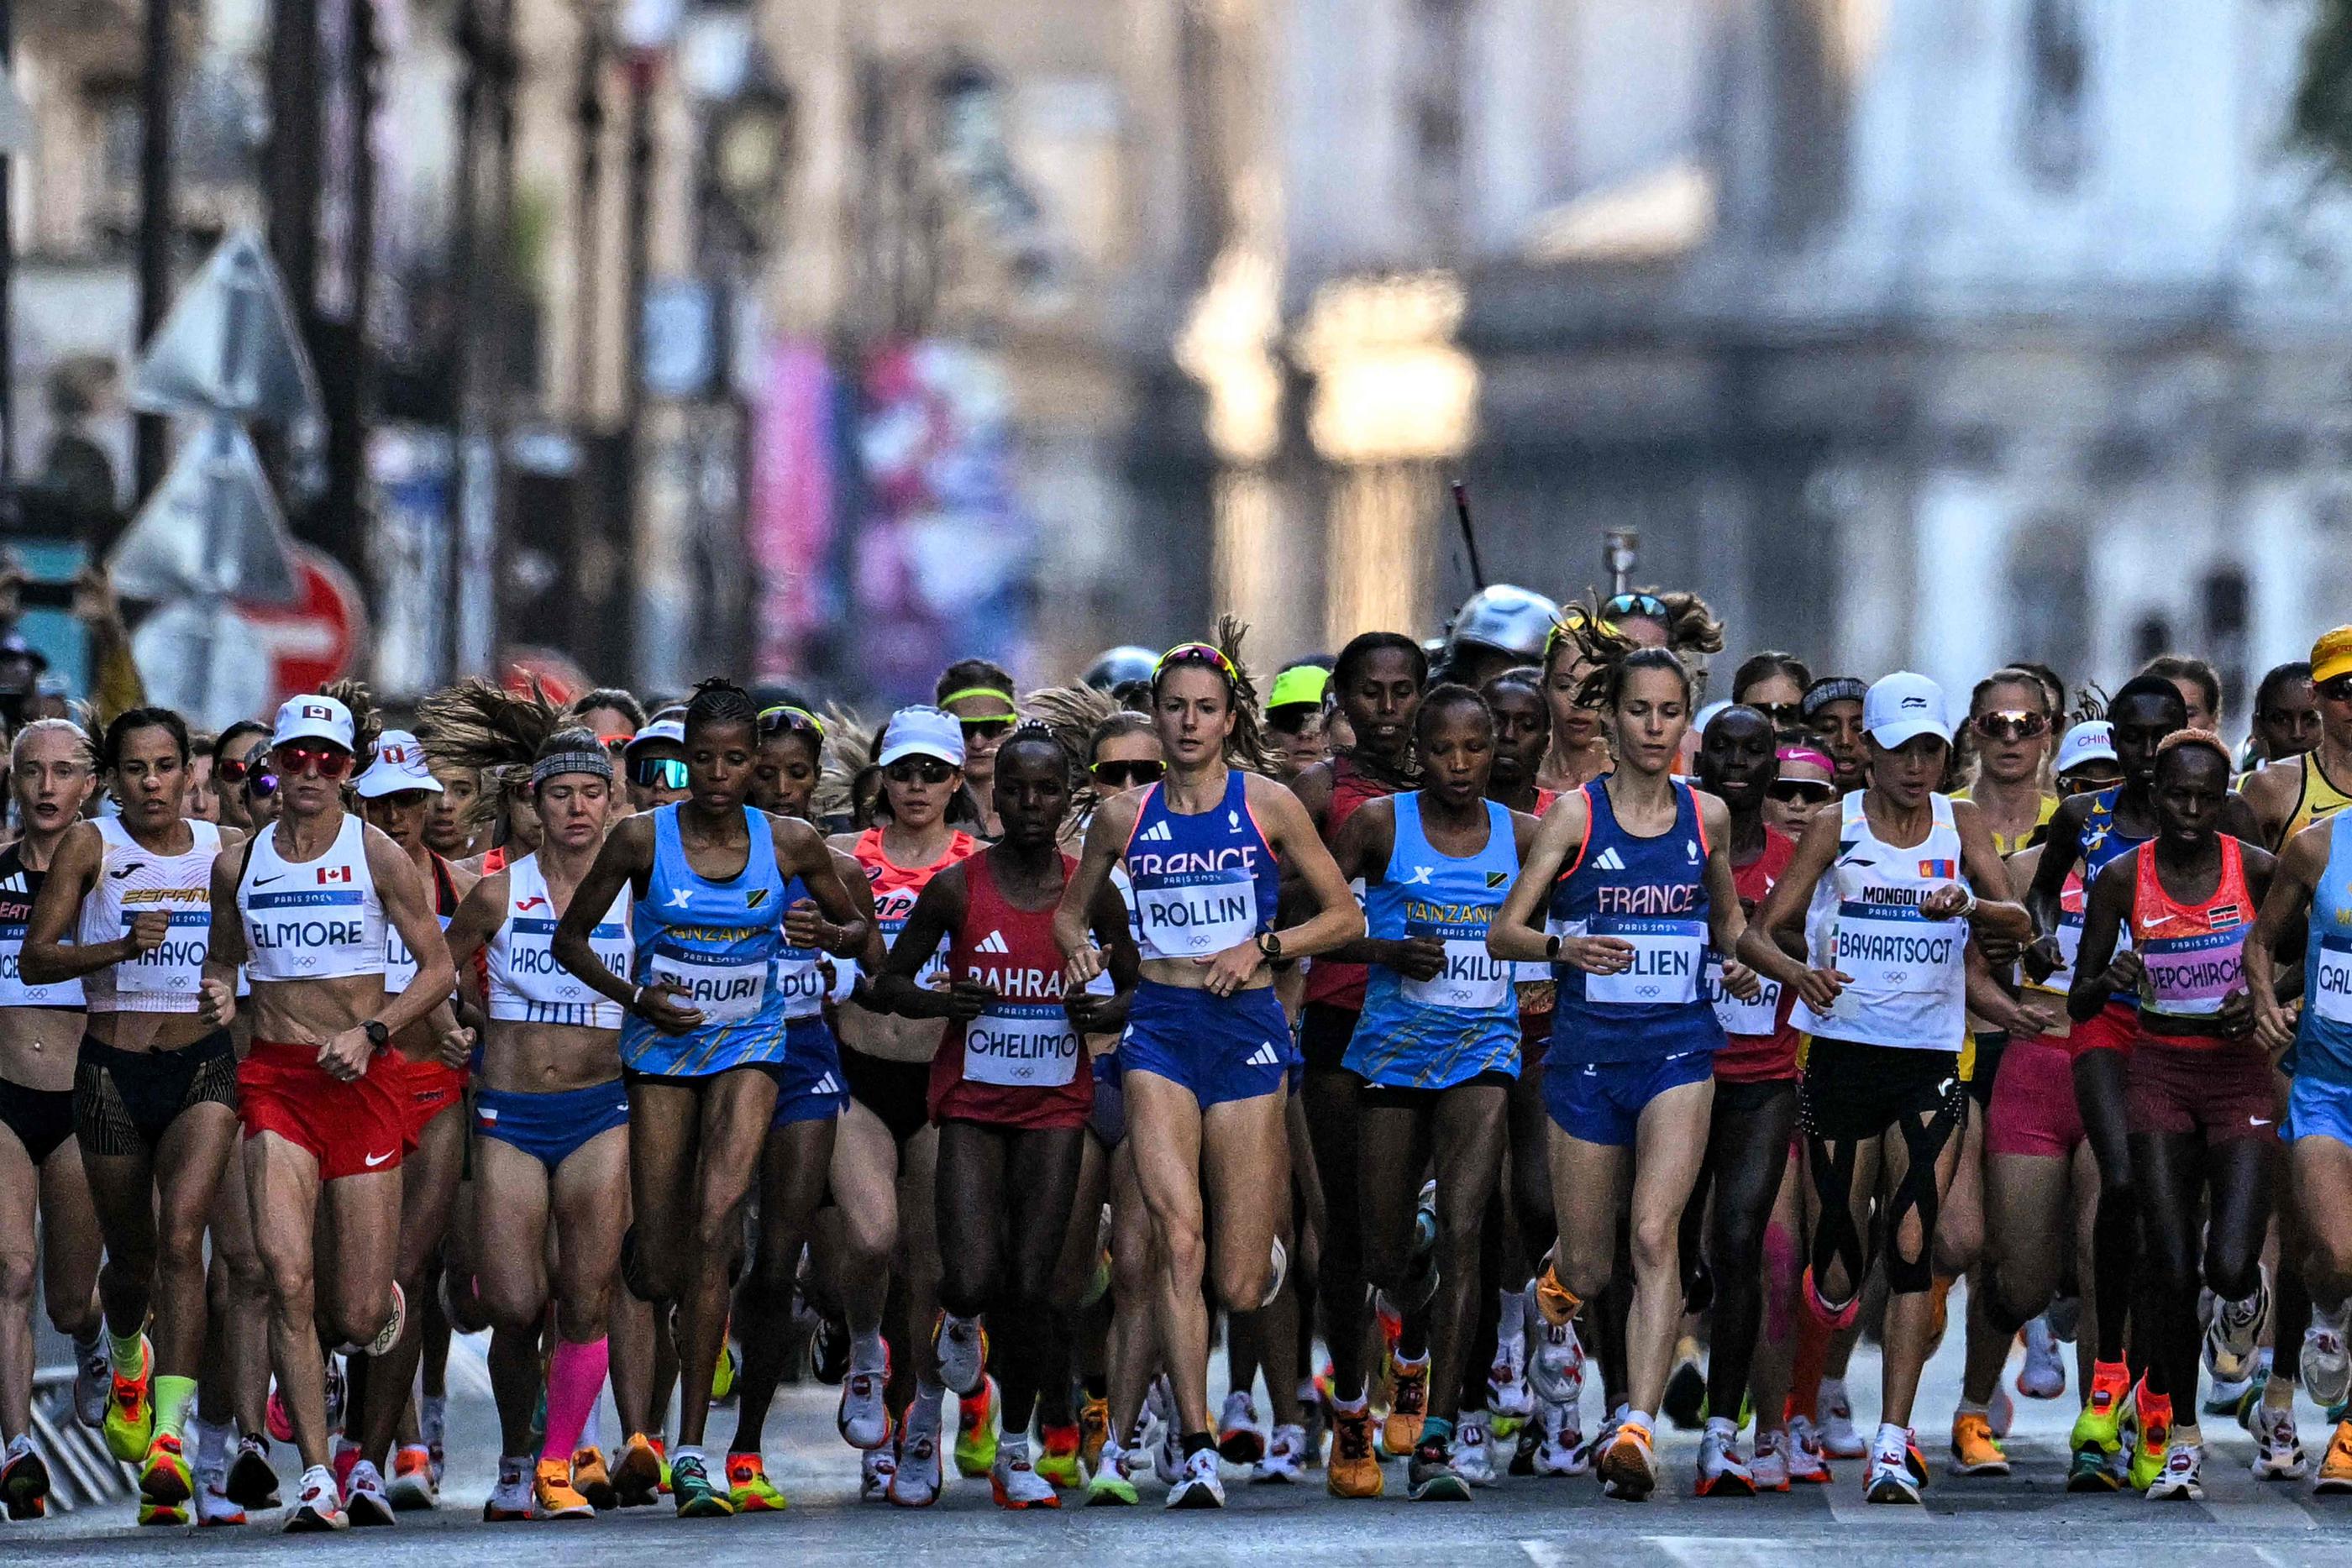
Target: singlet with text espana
x=1650, y=892
x=1020, y=1059
x=1908, y=975
x=1204, y=881
x=19, y=887
x=896, y=887
x=716, y=943
x=312, y=920
x=524, y=983
x=132, y=880
x=2191, y=956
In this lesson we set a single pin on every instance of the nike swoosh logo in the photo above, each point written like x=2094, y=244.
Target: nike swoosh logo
x=374, y=1160
x=266, y=880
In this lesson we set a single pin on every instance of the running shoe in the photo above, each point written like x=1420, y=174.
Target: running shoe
x=692, y=1491
x=552, y=1495
x=875, y=1469
x=1354, y=1468
x=93, y=1377
x=1890, y=1478
x=1769, y=1469
x=2098, y=1438
x=1721, y=1471
x=1315, y=1418
x=129, y=1423
x=2335, y=1469
x=591, y=1480
x=1974, y=1451
x=1839, y=1439
x=164, y=1514
x=864, y=1419
x=163, y=1476
x=1285, y=1456
x=637, y=1479
x=916, y=1482
x=2177, y=1480
x=2150, y=1454
x=1556, y=1370
x=1014, y=1482
x=412, y=1487
x=2326, y=1361
x=1685, y=1401
x=318, y=1506
x=1628, y=1465
x=364, y=1495
x=1408, y=1405
x=1808, y=1466
x=1106, y=1482
x=2278, y=1447
x=510, y=1499
x=252, y=1479
x=1429, y=1475
x=1508, y=1393
x=962, y=1346
x=2233, y=1335
x=214, y=1509
x=1549, y=1299
x=1473, y=1450
x=1560, y=1447
x=2001, y=1412
x=976, y=1436
x=1094, y=1431
x=2043, y=1376
x=749, y=1488
x=433, y=1427
x=829, y=1351
x=1240, y=1441
x=1198, y=1486
x=723, y=1372
x=1060, y=1463
x=24, y=1479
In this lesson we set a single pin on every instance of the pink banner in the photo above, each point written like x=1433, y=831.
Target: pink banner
x=789, y=523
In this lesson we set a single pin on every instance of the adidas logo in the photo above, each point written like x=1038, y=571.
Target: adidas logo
x=826, y=1085
x=16, y=884
x=1609, y=860
x=1264, y=1056
x=993, y=943
x=1157, y=834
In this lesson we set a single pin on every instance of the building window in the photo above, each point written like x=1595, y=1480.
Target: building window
x=2054, y=131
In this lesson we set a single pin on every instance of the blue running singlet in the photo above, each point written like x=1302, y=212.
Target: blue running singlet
x=2322, y=1041
x=1204, y=882
x=717, y=943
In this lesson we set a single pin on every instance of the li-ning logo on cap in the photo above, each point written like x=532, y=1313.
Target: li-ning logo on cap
x=1909, y=702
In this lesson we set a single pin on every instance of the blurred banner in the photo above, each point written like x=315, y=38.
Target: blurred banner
x=790, y=527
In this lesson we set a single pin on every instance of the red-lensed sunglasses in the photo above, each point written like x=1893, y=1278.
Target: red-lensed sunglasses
x=329, y=762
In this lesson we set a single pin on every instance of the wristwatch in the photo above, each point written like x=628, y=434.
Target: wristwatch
x=1271, y=945
x=378, y=1035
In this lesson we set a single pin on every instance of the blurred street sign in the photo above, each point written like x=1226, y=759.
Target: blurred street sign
x=217, y=661
x=211, y=530
x=230, y=345
x=319, y=636
x=16, y=119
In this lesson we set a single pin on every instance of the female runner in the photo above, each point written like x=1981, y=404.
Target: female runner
x=979, y=696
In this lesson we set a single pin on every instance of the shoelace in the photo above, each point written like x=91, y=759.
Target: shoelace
x=1354, y=1438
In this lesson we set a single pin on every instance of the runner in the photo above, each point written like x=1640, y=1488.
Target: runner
x=1436, y=1047
x=1294, y=729
x=45, y=1199
x=2010, y=715
x=1008, y=1092
x=1803, y=783
x=1580, y=739
x=884, y=1154
x=1377, y=681
x=304, y=906
x=1632, y=877
x=1832, y=709
x=234, y=750
x=979, y=694
x=454, y=819
x=716, y=888
x=156, y=1088
x=1497, y=628
x=1915, y=879
x=1206, y=1055
x=2198, y=685
x=550, y=1158
x=2286, y=716
x=2290, y=794
x=654, y=760
x=1774, y=684
x=2201, y=1107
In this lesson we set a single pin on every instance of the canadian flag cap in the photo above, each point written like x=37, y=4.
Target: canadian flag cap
x=314, y=716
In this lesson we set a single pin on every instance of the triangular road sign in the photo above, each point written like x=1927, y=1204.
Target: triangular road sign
x=211, y=528
x=16, y=119
x=230, y=344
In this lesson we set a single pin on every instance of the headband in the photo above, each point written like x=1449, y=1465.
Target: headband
x=548, y=767
x=1831, y=689
x=1011, y=707
x=1807, y=754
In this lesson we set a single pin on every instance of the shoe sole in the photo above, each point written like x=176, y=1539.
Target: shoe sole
x=1105, y=1497
x=1891, y=1494
x=410, y=1500
x=307, y=1523
x=1241, y=1448
x=1451, y=1489
x=165, y=1488
x=632, y=1489
x=1725, y=1486
x=1995, y=1468
x=368, y=1517
x=245, y=1489
x=1194, y=1498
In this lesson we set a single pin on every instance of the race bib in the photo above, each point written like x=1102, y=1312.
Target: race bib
x=1474, y=980
x=1760, y=1016
x=723, y=991
x=1021, y=1045
x=1200, y=918
x=175, y=969
x=2331, y=996
x=1668, y=955
x=2190, y=977
x=800, y=982
x=1893, y=956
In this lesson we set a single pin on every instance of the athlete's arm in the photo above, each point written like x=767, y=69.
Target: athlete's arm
x=939, y=910
x=2100, y=971
x=408, y=909
x=2238, y=820
x=1990, y=1000
x=1727, y=918
x=801, y=850
x=2236, y=1018
x=479, y=914
x=1107, y=838
x=2293, y=882
x=1367, y=839
x=1785, y=906
x=2062, y=850
x=861, y=898
x=1515, y=934
x=1091, y=1013
x=627, y=854
x=1291, y=834
x=224, y=949
x=48, y=960
x=1993, y=919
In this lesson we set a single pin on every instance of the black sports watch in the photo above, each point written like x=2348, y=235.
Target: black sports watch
x=378, y=1035
x=1270, y=945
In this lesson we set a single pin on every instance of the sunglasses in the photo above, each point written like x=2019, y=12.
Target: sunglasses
x=232, y=769
x=1128, y=775
x=1648, y=606
x=328, y=762
x=405, y=799
x=2338, y=690
x=260, y=785
x=657, y=773
x=784, y=717
x=2011, y=724
x=1783, y=715
x=1802, y=791
x=984, y=728
x=919, y=770
x=2085, y=786
x=1197, y=653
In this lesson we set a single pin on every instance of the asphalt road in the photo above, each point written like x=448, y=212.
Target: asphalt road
x=2025, y=1518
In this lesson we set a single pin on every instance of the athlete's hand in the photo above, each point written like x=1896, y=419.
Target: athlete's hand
x=1230, y=970
x=1415, y=957
x=1084, y=966
x=1597, y=955
x=659, y=1005
x=1091, y=1012
x=2042, y=958
x=2274, y=1024
x=344, y=1057
x=149, y=930
x=454, y=1046
x=2000, y=951
x=1946, y=902
x=216, y=1002
x=1822, y=987
x=2237, y=1015
x=2124, y=974
x=807, y=926
x=967, y=999
x=1741, y=981
x=2021, y=1021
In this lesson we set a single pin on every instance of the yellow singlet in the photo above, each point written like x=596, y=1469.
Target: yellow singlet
x=2317, y=796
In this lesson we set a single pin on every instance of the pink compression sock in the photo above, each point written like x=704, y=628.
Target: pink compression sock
x=575, y=1377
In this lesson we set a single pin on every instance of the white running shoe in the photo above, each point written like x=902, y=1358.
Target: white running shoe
x=364, y=1497
x=2178, y=1481
x=1839, y=1439
x=509, y=1500
x=1722, y=1472
x=1240, y=1439
x=2233, y=1336
x=1890, y=1479
x=93, y=1381
x=1285, y=1456
x=2043, y=1376
x=2278, y=1447
x=1557, y=1366
x=915, y=1483
x=873, y=1472
x=213, y=1506
x=1508, y=1391
x=318, y=1504
x=1473, y=1450
x=1562, y=1451
x=962, y=1348
x=864, y=1417
x=2001, y=1413
x=1807, y=1465
x=414, y=1485
x=2326, y=1361
x=1197, y=1485
x=1015, y=1482
x=1769, y=1467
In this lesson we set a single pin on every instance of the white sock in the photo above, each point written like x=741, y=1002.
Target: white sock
x=866, y=1353
x=1971, y=1408
x=212, y=1444
x=685, y=1451
x=1512, y=1323
x=1012, y=1447
x=1642, y=1418
x=1720, y=1426
x=1892, y=1438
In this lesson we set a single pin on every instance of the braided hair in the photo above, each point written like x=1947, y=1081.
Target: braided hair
x=720, y=701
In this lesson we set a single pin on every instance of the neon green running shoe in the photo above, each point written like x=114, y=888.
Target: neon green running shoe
x=975, y=1444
